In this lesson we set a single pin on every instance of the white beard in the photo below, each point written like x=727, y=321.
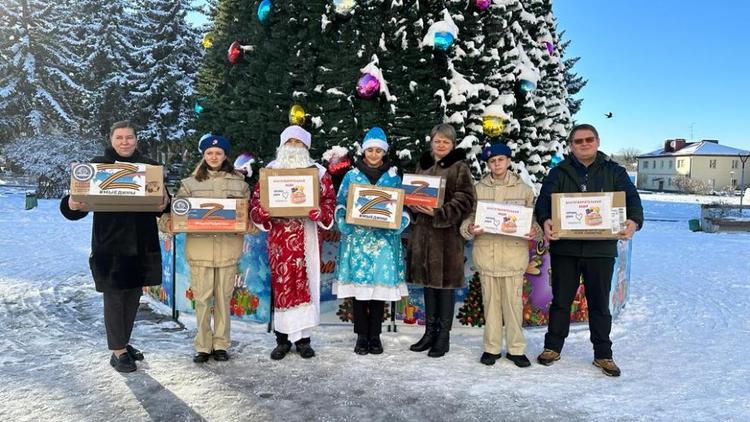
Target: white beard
x=289, y=157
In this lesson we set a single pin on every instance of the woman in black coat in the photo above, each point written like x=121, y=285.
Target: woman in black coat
x=125, y=253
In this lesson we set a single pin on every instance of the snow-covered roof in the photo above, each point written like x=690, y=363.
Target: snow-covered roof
x=697, y=148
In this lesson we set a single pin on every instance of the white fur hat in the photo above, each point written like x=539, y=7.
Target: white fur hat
x=296, y=132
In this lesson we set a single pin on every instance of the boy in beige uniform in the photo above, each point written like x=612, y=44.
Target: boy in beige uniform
x=501, y=260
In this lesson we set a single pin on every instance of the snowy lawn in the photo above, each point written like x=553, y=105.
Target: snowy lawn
x=680, y=343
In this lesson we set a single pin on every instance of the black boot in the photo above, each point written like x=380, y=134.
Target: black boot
x=361, y=347
x=283, y=346
x=375, y=345
x=303, y=348
x=431, y=326
x=445, y=309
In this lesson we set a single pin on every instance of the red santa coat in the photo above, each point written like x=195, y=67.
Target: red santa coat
x=294, y=258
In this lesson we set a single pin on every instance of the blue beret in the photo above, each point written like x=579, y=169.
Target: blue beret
x=496, y=149
x=207, y=141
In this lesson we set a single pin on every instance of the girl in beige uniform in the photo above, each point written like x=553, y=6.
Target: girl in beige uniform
x=213, y=257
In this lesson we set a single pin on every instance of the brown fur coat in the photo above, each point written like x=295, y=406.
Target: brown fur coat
x=435, y=255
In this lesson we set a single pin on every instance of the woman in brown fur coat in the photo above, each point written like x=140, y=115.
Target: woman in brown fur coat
x=435, y=256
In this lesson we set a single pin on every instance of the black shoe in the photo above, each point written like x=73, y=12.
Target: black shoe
x=221, y=355
x=304, y=349
x=376, y=347
x=489, y=358
x=521, y=361
x=134, y=353
x=361, y=346
x=124, y=363
x=201, y=357
x=281, y=350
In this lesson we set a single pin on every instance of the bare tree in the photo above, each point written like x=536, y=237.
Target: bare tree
x=626, y=157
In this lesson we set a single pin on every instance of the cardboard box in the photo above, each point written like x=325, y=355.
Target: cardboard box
x=209, y=215
x=118, y=187
x=501, y=218
x=289, y=192
x=588, y=215
x=423, y=190
x=374, y=206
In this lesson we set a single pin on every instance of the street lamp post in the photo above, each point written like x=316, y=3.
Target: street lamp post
x=743, y=159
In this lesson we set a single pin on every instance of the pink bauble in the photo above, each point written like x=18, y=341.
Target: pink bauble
x=368, y=86
x=482, y=4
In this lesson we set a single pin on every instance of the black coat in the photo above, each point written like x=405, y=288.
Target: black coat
x=125, y=251
x=603, y=175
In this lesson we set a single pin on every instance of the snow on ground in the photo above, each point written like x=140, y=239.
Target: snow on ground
x=693, y=199
x=680, y=343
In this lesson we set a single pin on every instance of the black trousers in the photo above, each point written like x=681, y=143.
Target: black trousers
x=368, y=317
x=120, y=309
x=597, y=278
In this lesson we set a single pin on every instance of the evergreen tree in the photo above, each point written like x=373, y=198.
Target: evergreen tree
x=472, y=311
x=312, y=53
x=574, y=83
x=37, y=92
x=109, y=60
x=169, y=57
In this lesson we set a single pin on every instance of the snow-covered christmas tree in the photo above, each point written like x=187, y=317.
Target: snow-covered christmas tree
x=492, y=68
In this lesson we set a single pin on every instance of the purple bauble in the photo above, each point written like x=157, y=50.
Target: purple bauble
x=368, y=86
x=482, y=4
x=550, y=47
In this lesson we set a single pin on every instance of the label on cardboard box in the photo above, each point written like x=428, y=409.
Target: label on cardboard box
x=503, y=218
x=425, y=190
x=588, y=215
x=117, y=186
x=195, y=215
x=374, y=206
x=289, y=192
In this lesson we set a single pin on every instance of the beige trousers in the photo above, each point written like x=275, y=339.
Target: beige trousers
x=212, y=290
x=503, y=305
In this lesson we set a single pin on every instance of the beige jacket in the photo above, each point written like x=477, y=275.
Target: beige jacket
x=497, y=255
x=221, y=249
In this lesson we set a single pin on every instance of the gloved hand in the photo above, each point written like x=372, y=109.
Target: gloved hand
x=262, y=215
x=314, y=214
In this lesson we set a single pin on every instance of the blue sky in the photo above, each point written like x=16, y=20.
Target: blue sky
x=665, y=68
x=661, y=66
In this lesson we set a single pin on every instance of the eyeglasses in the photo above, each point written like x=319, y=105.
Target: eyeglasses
x=580, y=141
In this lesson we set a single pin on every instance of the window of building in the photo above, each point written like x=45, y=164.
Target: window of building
x=735, y=164
x=670, y=163
x=669, y=181
x=645, y=165
x=653, y=163
x=712, y=164
x=680, y=163
x=661, y=163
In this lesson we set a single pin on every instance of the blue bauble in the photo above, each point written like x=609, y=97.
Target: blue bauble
x=527, y=85
x=198, y=108
x=556, y=159
x=443, y=40
x=264, y=9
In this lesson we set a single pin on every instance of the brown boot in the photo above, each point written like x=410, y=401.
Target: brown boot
x=548, y=357
x=607, y=366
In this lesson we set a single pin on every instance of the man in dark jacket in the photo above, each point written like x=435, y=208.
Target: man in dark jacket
x=586, y=170
x=125, y=252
